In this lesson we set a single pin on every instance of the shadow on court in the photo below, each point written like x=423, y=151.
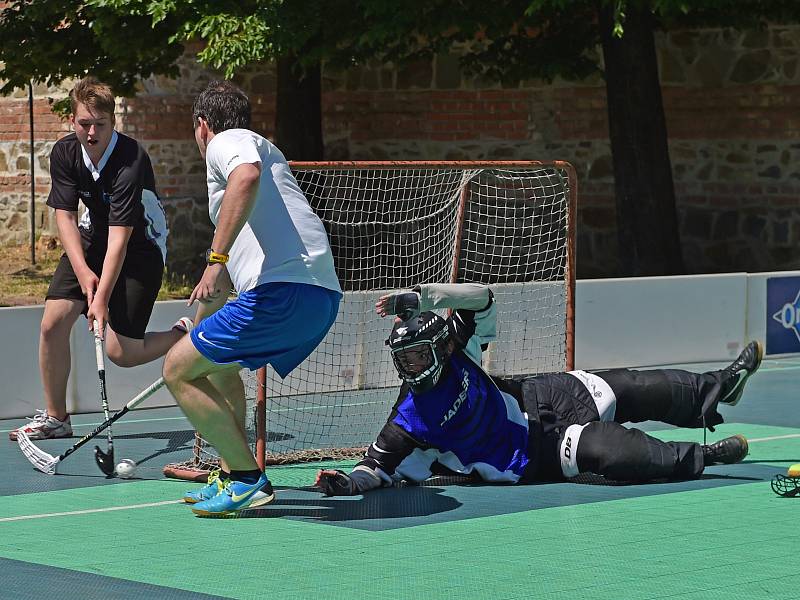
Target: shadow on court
x=410, y=506
x=422, y=502
x=151, y=451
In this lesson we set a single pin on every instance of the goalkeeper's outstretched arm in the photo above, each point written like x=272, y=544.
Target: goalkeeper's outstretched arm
x=474, y=322
x=429, y=296
x=377, y=468
x=334, y=482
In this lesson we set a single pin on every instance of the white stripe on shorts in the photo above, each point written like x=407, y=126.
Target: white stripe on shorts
x=568, y=453
x=601, y=392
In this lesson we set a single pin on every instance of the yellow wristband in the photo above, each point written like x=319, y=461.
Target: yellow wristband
x=215, y=257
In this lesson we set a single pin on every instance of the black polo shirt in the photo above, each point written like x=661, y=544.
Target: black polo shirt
x=114, y=199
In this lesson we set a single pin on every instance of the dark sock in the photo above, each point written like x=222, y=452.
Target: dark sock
x=223, y=475
x=249, y=477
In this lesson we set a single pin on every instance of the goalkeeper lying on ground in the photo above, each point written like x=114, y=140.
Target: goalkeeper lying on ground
x=451, y=417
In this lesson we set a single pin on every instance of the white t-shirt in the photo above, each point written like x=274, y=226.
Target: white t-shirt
x=282, y=240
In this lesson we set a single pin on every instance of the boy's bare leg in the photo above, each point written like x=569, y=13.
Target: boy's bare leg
x=54, y=353
x=130, y=352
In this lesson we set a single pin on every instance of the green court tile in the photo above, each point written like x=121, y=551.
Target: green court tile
x=724, y=430
x=31, y=581
x=89, y=498
x=139, y=492
x=765, y=588
x=304, y=474
x=646, y=547
x=732, y=541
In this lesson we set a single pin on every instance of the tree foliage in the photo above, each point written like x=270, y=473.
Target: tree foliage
x=47, y=41
x=515, y=40
x=505, y=40
x=249, y=32
x=509, y=40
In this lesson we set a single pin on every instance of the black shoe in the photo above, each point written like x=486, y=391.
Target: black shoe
x=743, y=367
x=726, y=452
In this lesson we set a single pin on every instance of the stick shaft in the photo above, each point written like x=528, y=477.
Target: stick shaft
x=133, y=403
x=101, y=375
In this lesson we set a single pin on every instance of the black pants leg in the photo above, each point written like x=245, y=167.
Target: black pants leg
x=671, y=396
x=616, y=452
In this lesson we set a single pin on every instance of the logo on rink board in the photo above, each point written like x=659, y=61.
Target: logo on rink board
x=783, y=315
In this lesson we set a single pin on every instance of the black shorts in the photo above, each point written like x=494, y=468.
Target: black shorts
x=553, y=402
x=132, y=299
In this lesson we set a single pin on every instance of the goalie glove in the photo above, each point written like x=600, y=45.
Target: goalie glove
x=403, y=304
x=338, y=483
x=333, y=482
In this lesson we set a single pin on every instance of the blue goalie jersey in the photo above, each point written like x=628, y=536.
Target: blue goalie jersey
x=465, y=424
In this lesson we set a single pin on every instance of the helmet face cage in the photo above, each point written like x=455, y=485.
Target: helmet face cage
x=419, y=350
x=414, y=359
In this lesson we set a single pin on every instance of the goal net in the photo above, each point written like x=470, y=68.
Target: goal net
x=391, y=226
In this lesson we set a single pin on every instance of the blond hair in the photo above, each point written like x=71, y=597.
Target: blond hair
x=93, y=94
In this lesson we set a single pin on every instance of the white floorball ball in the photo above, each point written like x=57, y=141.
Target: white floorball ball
x=126, y=468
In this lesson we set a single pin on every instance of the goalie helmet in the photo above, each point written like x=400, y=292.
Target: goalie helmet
x=420, y=350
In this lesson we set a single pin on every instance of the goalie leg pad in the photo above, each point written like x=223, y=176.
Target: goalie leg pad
x=671, y=396
x=622, y=454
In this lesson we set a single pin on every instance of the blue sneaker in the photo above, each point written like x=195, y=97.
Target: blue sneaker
x=235, y=496
x=207, y=492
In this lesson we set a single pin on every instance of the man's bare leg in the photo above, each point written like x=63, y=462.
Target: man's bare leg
x=230, y=385
x=54, y=353
x=216, y=414
x=130, y=352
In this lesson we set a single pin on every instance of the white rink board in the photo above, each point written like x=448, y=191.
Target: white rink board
x=646, y=321
x=19, y=362
x=619, y=323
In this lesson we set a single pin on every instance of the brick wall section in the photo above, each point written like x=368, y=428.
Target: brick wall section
x=15, y=171
x=451, y=116
x=746, y=111
x=732, y=104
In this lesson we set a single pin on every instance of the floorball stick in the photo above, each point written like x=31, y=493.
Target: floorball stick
x=104, y=460
x=47, y=463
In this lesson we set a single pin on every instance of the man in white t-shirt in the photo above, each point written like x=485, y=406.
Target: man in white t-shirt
x=274, y=250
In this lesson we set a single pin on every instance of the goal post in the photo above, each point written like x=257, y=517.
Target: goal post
x=394, y=224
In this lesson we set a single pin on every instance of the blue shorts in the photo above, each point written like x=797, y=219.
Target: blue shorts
x=275, y=323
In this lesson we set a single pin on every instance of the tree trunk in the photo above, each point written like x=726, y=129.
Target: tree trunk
x=647, y=221
x=298, y=111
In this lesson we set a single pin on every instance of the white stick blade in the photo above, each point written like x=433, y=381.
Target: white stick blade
x=41, y=460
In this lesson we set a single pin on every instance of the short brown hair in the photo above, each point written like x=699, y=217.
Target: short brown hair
x=223, y=106
x=93, y=94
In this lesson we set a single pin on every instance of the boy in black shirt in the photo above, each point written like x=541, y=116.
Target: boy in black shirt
x=113, y=257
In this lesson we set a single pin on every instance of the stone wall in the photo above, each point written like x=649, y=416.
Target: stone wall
x=15, y=161
x=732, y=103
